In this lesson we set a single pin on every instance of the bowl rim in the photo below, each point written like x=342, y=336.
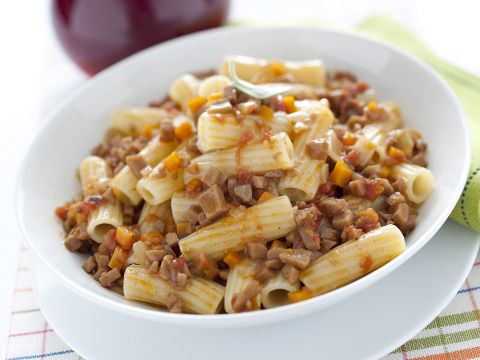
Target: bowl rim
x=268, y=315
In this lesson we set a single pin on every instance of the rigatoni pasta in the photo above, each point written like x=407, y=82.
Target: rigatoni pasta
x=132, y=121
x=274, y=154
x=221, y=198
x=124, y=184
x=269, y=220
x=302, y=182
x=353, y=260
x=199, y=296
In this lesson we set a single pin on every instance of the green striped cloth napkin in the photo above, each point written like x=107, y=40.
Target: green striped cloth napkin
x=467, y=88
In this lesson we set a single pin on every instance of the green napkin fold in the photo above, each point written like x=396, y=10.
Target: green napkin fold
x=467, y=88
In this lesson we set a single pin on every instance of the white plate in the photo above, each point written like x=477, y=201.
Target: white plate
x=366, y=326
x=47, y=176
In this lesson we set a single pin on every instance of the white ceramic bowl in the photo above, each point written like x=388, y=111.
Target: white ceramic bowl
x=47, y=176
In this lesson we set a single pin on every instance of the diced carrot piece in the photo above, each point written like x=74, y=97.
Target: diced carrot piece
x=232, y=258
x=195, y=104
x=397, y=154
x=289, y=102
x=61, y=212
x=341, y=174
x=80, y=218
x=265, y=112
x=215, y=96
x=183, y=131
x=372, y=106
x=348, y=139
x=125, y=237
x=278, y=68
x=265, y=196
x=300, y=295
x=153, y=237
x=193, y=185
x=118, y=258
x=385, y=172
x=277, y=244
x=172, y=162
x=147, y=130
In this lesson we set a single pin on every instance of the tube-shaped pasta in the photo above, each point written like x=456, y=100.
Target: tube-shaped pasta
x=183, y=89
x=104, y=218
x=132, y=120
x=353, y=259
x=376, y=135
x=239, y=278
x=420, y=181
x=214, y=134
x=213, y=84
x=124, y=184
x=199, y=296
x=93, y=169
x=275, y=291
x=274, y=154
x=181, y=202
x=394, y=118
x=161, y=211
x=302, y=182
x=155, y=190
x=268, y=220
x=311, y=72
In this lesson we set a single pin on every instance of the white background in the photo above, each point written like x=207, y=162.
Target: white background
x=34, y=73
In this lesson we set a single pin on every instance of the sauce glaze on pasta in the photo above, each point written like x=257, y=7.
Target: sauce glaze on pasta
x=214, y=201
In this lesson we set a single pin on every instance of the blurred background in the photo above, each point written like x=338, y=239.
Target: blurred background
x=36, y=72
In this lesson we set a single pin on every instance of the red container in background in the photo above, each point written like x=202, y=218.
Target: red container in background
x=98, y=33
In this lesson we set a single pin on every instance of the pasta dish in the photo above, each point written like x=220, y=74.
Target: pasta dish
x=266, y=183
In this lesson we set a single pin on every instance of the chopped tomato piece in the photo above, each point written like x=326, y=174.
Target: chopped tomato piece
x=372, y=189
x=353, y=158
x=367, y=220
x=87, y=207
x=61, y=212
x=366, y=263
x=244, y=138
x=244, y=176
x=327, y=189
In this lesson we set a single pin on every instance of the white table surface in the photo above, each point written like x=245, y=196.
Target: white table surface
x=34, y=73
